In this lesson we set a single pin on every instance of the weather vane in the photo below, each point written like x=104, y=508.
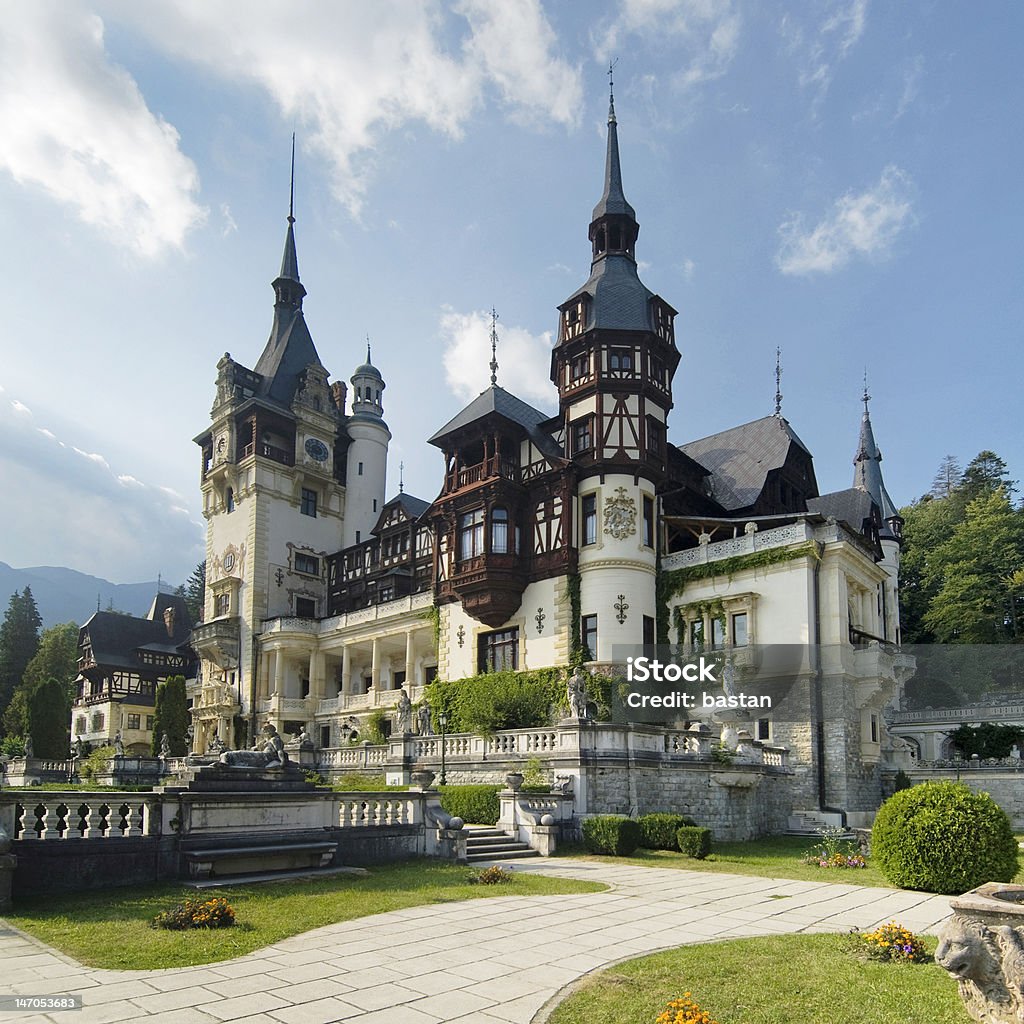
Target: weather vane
x=865, y=397
x=494, y=346
x=611, y=88
x=401, y=477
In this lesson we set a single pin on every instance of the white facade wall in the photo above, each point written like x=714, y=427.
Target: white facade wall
x=365, y=479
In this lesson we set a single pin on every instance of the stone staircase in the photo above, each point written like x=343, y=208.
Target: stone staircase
x=492, y=844
x=807, y=823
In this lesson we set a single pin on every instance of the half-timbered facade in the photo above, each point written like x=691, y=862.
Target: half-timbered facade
x=121, y=660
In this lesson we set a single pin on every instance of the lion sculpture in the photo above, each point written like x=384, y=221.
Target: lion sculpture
x=988, y=964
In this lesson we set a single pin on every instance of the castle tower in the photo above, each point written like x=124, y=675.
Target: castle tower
x=367, y=464
x=273, y=499
x=867, y=476
x=613, y=366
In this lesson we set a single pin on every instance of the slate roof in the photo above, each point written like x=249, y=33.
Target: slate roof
x=852, y=506
x=117, y=638
x=740, y=459
x=619, y=300
x=867, y=474
x=412, y=506
x=612, y=200
x=496, y=400
x=288, y=352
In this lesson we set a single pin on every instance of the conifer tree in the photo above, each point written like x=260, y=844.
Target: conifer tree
x=48, y=720
x=171, y=716
x=19, y=641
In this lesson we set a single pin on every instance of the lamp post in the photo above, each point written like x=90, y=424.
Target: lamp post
x=442, y=720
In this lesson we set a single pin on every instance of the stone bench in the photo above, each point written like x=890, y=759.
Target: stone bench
x=242, y=860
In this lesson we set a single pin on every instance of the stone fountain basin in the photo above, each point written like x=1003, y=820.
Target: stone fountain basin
x=994, y=903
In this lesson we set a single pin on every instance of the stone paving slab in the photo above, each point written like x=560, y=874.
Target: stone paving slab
x=494, y=961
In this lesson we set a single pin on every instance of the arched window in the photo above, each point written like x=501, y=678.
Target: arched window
x=499, y=531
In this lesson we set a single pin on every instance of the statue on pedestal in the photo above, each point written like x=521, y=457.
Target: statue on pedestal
x=165, y=745
x=268, y=752
x=29, y=749
x=423, y=720
x=576, y=695
x=118, y=744
x=403, y=714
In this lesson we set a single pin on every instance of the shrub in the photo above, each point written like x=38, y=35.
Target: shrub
x=943, y=837
x=611, y=834
x=374, y=727
x=475, y=804
x=494, y=875
x=895, y=943
x=902, y=781
x=96, y=763
x=212, y=913
x=694, y=841
x=658, y=831
x=535, y=778
x=684, y=1011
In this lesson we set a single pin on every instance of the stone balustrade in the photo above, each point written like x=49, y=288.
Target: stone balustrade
x=69, y=814
x=364, y=810
x=359, y=756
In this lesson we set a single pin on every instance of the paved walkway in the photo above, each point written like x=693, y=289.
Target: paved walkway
x=493, y=961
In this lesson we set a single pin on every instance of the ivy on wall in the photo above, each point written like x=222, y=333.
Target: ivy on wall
x=433, y=614
x=672, y=582
x=578, y=653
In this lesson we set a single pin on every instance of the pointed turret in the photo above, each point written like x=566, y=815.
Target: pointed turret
x=290, y=348
x=613, y=200
x=867, y=474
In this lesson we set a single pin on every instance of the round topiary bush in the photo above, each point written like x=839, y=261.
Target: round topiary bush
x=943, y=837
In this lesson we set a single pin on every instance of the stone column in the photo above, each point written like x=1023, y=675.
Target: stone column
x=316, y=676
x=410, y=658
x=375, y=665
x=279, y=673
x=346, y=669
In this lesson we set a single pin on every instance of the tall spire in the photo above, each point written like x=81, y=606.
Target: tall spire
x=290, y=262
x=494, y=346
x=778, y=382
x=613, y=200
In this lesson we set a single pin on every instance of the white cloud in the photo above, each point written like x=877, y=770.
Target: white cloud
x=704, y=32
x=523, y=358
x=76, y=126
x=859, y=224
x=912, y=75
x=817, y=53
x=688, y=268
x=349, y=73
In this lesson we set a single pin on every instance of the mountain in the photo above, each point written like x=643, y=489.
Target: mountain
x=66, y=595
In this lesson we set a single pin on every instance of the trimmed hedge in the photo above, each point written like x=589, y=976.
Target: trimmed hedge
x=658, y=831
x=611, y=834
x=694, y=841
x=477, y=805
x=943, y=837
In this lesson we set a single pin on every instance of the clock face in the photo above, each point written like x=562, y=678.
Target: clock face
x=316, y=449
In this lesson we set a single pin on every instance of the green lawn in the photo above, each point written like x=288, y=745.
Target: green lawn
x=110, y=928
x=791, y=979
x=771, y=857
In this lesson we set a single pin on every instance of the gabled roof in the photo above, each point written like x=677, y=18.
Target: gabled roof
x=497, y=401
x=740, y=459
x=116, y=638
x=412, y=506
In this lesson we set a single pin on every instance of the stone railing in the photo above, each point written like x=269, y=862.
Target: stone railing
x=523, y=741
x=977, y=713
x=359, y=756
x=364, y=810
x=386, y=610
x=970, y=763
x=285, y=705
x=779, y=537
x=69, y=814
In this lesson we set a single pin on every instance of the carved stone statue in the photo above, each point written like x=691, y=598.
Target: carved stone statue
x=118, y=744
x=576, y=695
x=562, y=784
x=217, y=745
x=29, y=748
x=77, y=748
x=423, y=720
x=165, y=745
x=305, y=741
x=988, y=964
x=268, y=752
x=403, y=714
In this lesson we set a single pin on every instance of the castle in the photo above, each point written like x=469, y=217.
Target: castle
x=585, y=531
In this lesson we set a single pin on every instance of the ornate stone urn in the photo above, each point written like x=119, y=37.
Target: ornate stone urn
x=982, y=946
x=514, y=781
x=421, y=778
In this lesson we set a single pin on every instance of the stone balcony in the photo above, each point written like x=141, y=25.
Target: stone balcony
x=218, y=640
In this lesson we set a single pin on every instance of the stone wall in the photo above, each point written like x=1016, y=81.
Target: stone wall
x=1005, y=786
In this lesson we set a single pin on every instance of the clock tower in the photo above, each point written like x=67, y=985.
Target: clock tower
x=273, y=476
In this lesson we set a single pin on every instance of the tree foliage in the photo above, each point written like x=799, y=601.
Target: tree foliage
x=171, y=716
x=962, y=571
x=47, y=715
x=19, y=641
x=56, y=658
x=193, y=590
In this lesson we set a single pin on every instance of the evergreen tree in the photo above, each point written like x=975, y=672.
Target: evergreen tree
x=193, y=590
x=947, y=478
x=48, y=720
x=985, y=474
x=171, y=716
x=19, y=641
x=56, y=658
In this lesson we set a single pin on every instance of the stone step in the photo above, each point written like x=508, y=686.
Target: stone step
x=515, y=853
x=473, y=842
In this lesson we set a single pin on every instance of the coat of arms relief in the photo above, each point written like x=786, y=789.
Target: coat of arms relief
x=620, y=515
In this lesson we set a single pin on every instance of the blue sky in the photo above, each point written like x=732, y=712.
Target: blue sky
x=840, y=179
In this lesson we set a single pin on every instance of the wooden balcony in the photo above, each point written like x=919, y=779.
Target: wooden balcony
x=268, y=451
x=495, y=466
